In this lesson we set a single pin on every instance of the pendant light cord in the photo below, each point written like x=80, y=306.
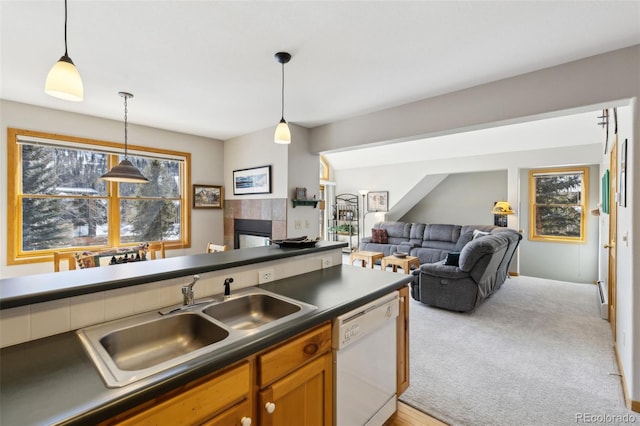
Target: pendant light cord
x=282, y=90
x=125, y=127
x=65, y=28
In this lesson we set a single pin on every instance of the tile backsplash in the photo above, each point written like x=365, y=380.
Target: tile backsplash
x=25, y=323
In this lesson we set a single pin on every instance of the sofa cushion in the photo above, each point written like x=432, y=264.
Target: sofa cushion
x=477, y=234
x=379, y=236
x=480, y=247
x=430, y=255
x=463, y=240
x=441, y=232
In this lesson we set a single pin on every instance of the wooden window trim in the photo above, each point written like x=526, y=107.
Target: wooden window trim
x=15, y=256
x=583, y=204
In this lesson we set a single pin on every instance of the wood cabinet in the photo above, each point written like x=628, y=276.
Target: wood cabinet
x=288, y=384
x=221, y=399
x=296, y=381
x=403, y=341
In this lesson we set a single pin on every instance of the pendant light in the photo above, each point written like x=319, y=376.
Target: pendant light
x=283, y=135
x=125, y=171
x=63, y=80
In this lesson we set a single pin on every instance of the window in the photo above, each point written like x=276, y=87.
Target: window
x=60, y=203
x=558, y=200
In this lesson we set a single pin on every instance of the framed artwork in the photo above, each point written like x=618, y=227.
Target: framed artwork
x=301, y=193
x=622, y=200
x=605, y=192
x=207, y=196
x=256, y=180
x=378, y=201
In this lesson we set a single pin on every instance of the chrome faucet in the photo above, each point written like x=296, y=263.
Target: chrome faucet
x=187, y=292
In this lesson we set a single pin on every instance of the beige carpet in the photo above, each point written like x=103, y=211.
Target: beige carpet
x=535, y=353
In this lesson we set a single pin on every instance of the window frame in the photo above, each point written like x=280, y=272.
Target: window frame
x=584, y=193
x=15, y=254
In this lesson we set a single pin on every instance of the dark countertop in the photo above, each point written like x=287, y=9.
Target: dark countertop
x=20, y=291
x=52, y=381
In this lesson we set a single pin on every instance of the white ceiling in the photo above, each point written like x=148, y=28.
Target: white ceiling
x=207, y=67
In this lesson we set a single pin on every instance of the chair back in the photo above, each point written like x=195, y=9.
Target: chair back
x=61, y=256
x=213, y=248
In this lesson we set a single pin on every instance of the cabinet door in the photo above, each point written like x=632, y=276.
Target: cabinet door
x=403, y=342
x=304, y=397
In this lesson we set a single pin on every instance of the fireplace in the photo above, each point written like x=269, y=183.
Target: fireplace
x=251, y=233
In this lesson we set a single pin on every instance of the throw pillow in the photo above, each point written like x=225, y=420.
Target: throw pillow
x=379, y=236
x=478, y=234
x=453, y=258
x=463, y=240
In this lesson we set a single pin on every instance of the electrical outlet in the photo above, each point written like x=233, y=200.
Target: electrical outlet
x=265, y=276
x=327, y=262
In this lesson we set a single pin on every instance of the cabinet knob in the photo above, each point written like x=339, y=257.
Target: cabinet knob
x=245, y=421
x=270, y=407
x=310, y=349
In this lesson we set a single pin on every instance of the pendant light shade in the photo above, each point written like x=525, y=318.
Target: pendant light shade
x=125, y=171
x=282, y=135
x=63, y=80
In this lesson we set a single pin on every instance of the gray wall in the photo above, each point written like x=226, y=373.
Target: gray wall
x=462, y=199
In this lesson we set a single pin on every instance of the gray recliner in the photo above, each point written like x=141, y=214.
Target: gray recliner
x=482, y=268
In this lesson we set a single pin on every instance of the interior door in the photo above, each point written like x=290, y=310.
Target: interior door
x=613, y=232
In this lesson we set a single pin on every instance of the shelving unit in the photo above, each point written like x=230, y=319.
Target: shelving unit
x=343, y=223
x=305, y=202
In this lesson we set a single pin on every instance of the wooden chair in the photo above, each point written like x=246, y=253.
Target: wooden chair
x=214, y=248
x=60, y=256
x=156, y=250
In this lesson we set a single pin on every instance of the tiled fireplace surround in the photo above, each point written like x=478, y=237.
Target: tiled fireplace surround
x=273, y=209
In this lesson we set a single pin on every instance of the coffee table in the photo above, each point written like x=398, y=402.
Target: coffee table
x=404, y=262
x=367, y=257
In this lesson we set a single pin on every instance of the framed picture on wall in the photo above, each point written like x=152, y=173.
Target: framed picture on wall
x=256, y=180
x=622, y=201
x=378, y=201
x=207, y=196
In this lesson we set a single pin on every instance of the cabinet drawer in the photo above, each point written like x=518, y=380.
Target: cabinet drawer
x=194, y=404
x=293, y=353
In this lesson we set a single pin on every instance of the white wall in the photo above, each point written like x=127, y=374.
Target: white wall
x=254, y=150
x=206, y=166
x=304, y=172
x=291, y=166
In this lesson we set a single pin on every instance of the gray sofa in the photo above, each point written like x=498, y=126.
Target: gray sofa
x=482, y=264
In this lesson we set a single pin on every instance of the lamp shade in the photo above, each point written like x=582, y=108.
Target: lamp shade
x=125, y=172
x=283, y=135
x=64, y=82
x=502, y=207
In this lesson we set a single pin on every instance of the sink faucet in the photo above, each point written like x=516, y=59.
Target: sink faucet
x=187, y=292
x=227, y=287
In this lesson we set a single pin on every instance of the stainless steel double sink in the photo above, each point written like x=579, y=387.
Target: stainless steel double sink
x=133, y=348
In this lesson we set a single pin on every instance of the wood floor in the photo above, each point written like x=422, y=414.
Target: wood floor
x=409, y=416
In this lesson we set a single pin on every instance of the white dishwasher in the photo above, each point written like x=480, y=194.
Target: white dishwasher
x=364, y=344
